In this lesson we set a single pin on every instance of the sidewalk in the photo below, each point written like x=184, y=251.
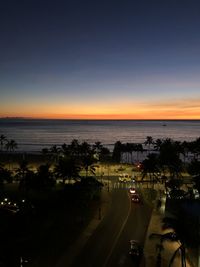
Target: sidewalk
x=151, y=247
x=73, y=251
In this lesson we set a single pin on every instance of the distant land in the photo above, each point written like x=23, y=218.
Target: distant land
x=86, y=119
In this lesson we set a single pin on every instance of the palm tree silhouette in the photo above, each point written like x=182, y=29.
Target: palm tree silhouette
x=157, y=144
x=2, y=141
x=67, y=168
x=150, y=167
x=97, y=149
x=149, y=141
x=172, y=236
x=54, y=151
x=87, y=158
x=11, y=145
x=22, y=170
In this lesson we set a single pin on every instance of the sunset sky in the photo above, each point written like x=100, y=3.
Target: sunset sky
x=100, y=59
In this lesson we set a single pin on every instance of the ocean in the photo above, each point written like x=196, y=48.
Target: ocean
x=35, y=134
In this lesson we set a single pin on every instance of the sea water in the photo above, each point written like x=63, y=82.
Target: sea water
x=35, y=134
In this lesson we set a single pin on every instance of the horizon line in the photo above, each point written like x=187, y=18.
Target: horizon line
x=97, y=119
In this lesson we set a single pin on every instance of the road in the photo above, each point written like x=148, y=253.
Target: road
x=109, y=245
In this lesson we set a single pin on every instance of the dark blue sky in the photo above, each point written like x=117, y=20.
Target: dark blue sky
x=85, y=57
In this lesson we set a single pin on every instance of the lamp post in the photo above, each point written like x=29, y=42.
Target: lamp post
x=108, y=179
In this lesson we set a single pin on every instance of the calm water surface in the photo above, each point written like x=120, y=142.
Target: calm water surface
x=32, y=135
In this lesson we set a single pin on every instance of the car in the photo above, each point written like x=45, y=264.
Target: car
x=135, y=198
x=195, y=193
x=124, y=178
x=132, y=190
x=136, y=250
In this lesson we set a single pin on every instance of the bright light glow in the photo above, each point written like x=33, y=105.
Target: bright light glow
x=132, y=190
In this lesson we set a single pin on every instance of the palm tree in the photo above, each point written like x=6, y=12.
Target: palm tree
x=171, y=236
x=67, y=168
x=157, y=144
x=179, y=236
x=11, y=145
x=117, y=152
x=54, y=151
x=74, y=148
x=44, y=179
x=194, y=169
x=150, y=167
x=105, y=155
x=149, y=141
x=138, y=148
x=87, y=158
x=2, y=141
x=169, y=157
x=22, y=170
x=97, y=149
x=5, y=175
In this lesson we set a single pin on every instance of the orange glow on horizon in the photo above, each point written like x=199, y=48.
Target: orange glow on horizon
x=160, y=110
x=151, y=116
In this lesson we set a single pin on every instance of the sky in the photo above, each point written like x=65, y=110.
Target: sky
x=110, y=59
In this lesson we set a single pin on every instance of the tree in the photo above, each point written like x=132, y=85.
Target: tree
x=87, y=158
x=194, y=169
x=55, y=152
x=5, y=175
x=117, y=152
x=157, y=144
x=97, y=149
x=74, y=148
x=22, y=170
x=169, y=157
x=138, y=148
x=105, y=155
x=149, y=141
x=173, y=237
x=67, y=168
x=150, y=167
x=2, y=141
x=178, y=235
x=44, y=178
x=28, y=181
x=45, y=153
x=11, y=145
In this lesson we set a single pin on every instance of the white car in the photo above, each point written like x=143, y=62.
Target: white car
x=124, y=178
x=195, y=193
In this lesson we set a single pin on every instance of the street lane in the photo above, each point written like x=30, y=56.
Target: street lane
x=135, y=228
x=98, y=246
x=109, y=245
